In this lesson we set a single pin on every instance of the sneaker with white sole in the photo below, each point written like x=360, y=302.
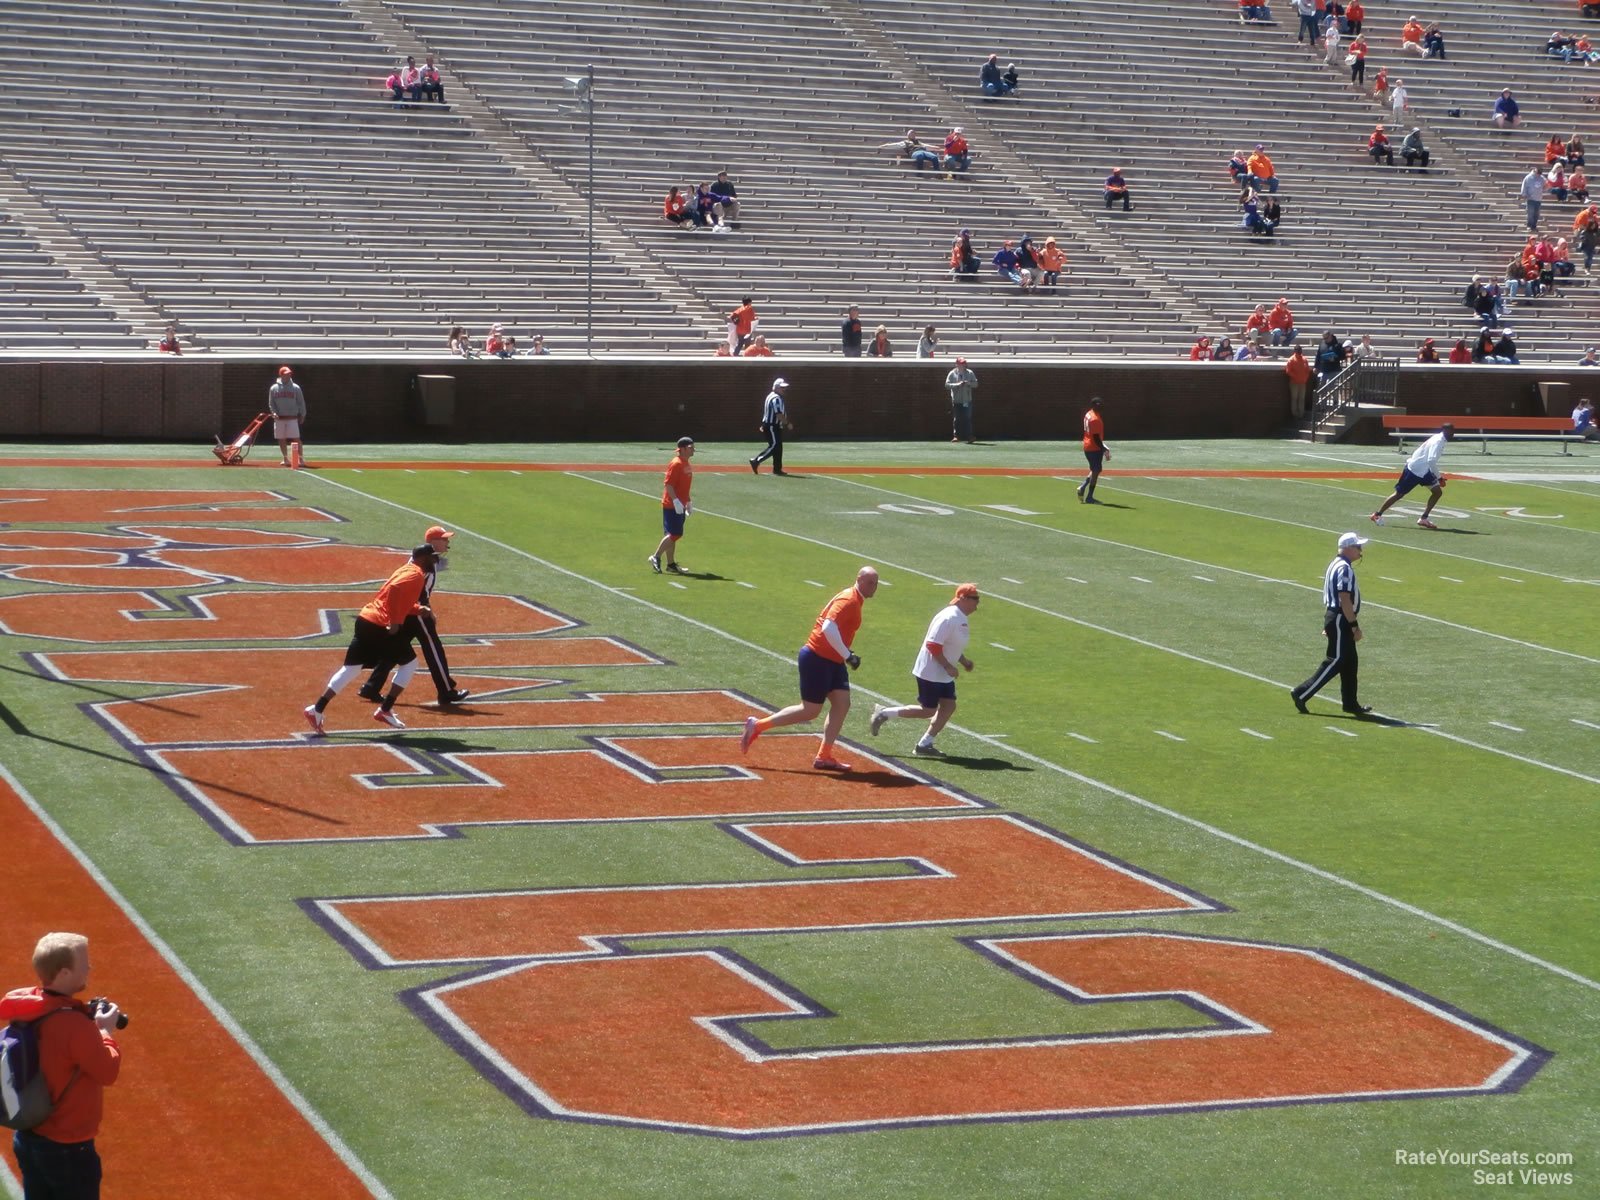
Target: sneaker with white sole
x=385, y=716
x=314, y=719
x=829, y=764
x=655, y=564
x=879, y=716
x=748, y=737
x=1376, y=519
x=1424, y=523
x=927, y=750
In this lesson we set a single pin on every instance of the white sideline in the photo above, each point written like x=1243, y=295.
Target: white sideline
x=223, y=1017
x=1234, y=839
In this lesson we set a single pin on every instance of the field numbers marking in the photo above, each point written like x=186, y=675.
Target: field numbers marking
x=1519, y=512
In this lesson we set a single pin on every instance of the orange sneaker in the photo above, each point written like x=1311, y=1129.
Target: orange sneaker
x=751, y=733
x=828, y=763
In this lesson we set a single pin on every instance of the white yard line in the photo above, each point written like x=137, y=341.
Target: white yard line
x=1342, y=732
x=1503, y=725
x=1171, y=737
x=1067, y=772
x=1265, y=737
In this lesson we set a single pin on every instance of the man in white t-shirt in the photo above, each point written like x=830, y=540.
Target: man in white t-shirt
x=941, y=659
x=1421, y=468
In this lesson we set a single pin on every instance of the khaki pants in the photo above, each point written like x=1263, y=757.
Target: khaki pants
x=1297, y=399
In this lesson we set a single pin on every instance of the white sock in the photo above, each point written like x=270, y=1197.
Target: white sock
x=925, y=741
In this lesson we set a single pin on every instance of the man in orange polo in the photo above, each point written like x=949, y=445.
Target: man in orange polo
x=675, y=507
x=824, y=678
x=78, y=1058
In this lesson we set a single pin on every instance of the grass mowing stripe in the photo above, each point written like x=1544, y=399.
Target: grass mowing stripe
x=1088, y=781
x=223, y=1018
x=1129, y=637
x=1194, y=562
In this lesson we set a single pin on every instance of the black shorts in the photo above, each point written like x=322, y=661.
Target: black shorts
x=1094, y=458
x=374, y=646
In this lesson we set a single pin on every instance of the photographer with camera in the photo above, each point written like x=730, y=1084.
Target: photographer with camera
x=78, y=1058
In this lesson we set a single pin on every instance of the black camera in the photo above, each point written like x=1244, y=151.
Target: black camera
x=100, y=1003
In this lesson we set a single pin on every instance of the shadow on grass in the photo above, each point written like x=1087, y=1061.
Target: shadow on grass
x=982, y=764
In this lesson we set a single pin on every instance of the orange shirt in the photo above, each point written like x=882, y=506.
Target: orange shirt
x=67, y=1042
x=1051, y=258
x=1259, y=165
x=1411, y=32
x=743, y=318
x=1553, y=149
x=1298, y=369
x=1094, y=431
x=1280, y=317
x=1584, y=217
x=757, y=351
x=673, y=205
x=1354, y=12
x=844, y=610
x=679, y=476
x=1256, y=321
x=398, y=598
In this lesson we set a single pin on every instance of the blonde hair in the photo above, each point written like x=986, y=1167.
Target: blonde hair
x=57, y=952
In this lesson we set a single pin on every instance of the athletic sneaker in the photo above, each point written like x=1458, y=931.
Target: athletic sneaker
x=748, y=737
x=314, y=719
x=385, y=716
x=1080, y=493
x=927, y=750
x=677, y=568
x=878, y=718
x=455, y=696
x=655, y=563
x=1376, y=519
x=829, y=764
x=1424, y=523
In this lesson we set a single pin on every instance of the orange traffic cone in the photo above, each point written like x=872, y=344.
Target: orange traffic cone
x=294, y=455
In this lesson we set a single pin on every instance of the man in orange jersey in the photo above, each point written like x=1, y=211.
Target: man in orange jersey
x=382, y=639
x=823, y=676
x=1094, y=449
x=78, y=1058
x=740, y=323
x=675, y=507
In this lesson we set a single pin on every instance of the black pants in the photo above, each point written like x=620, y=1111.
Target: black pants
x=425, y=630
x=57, y=1170
x=774, y=449
x=1341, y=661
x=433, y=91
x=1412, y=156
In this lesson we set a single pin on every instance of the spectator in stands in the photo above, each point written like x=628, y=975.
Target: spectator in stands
x=1412, y=149
x=1330, y=357
x=880, y=347
x=1555, y=150
x=1354, y=14
x=1357, y=60
x=1460, y=353
x=1411, y=37
x=1589, y=8
x=411, y=79
x=1280, y=321
x=1262, y=175
x=461, y=343
x=1255, y=326
x=1378, y=147
x=1578, y=186
x=1561, y=259
x=1532, y=193
x=741, y=324
x=1223, y=352
x=1575, y=151
x=1586, y=233
x=1591, y=358
x=508, y=348
x=1299, y=372
x=1010, y=266
x=1250, y=207
x=1426, y=352
x=1330, y=43
x=1559, y=45
x=1365, y=348
x=728, y=196
x=1433, y=41
x=1012, y=79
x=432, y=83
x=957, y=153
x=1246, y=353
x=1583, y=48
x=169, y=343
x=1116, y=188
x=1474, y=291
x=1555, y=181
x=1332, y=15
x=675, y=208
x=1505, y=350
x=1051, y=263
x=1028, y=260
x=1583, y=415
x=992, y=80
x=1399, y=99
x=1380, y=86
x=1251, y=11
x=1238, y=168
x=1271, y=214
x=1507, y=115
x=1517, y=279
x=538, y=347
x=928, y=343
x=758, y=348
x=963, y=258
x=707, y=212
x=396, y=88
x=1483, y=347
x=917, y=152
x=496, y=341
x=850, y=333
x=1201, y=350
x=1310, y=23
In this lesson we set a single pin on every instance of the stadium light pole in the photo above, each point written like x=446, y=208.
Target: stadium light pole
x=582, y=88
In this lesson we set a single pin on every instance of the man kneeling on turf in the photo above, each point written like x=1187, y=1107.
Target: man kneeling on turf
x=938, y=663
x=1421, y=468
x=382, y=639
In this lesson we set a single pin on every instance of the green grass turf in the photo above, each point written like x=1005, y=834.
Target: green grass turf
x=1112, y=637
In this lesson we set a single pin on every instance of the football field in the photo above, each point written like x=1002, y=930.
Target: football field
x=1145, y=930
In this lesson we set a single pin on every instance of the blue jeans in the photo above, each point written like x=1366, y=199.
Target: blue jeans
x=1262, y=185
x=958, y=162
x=1282, y=337
x=920, y=157
x=57, y=1170
x=1310, y=28
x=1533, y=214
x=996, y=89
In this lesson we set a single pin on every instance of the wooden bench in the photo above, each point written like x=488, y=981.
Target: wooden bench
x=1486, y=429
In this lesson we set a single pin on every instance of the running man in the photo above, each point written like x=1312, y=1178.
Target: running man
x=1421, y=468
x=425, y=629
x=675, y=507
x=935, y=671
x=1094, y=449
x=381, y=640
x=823, y=677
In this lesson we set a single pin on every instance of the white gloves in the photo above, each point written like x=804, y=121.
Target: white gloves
x=677, y=507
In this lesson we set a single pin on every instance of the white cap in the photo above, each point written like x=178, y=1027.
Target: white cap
x=780, y=382
x=1346, y=540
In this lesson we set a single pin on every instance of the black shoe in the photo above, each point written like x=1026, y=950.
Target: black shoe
x=454, y=697
x=755, y=467
x=780, y=472
x=677, y=568
x=1359, y=710
x=371, y=693
x=1299, y=701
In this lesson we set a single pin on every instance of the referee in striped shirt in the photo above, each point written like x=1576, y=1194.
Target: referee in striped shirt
x=1341, y=598
x=774, y=420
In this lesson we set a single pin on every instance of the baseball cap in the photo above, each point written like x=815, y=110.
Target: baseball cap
x=961, y=361
x=1346, y=540
x=967, y=591
x=685, y=441
x=780, y=382
x=424, y=551
x=436, y=532
x=285, y=371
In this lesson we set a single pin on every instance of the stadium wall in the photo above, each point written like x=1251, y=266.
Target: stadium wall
x=571, y=399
